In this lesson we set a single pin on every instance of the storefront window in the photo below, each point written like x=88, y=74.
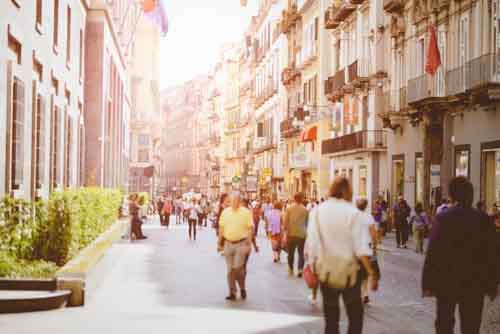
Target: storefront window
x=462, y=161
x=419, y=179
x=363, y=175
x=398, y=176
x=491, y=177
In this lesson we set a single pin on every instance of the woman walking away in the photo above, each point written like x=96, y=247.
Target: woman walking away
x=420, y=223
x=336, y=245
x=273, y=220
x=192, y=219
x=370, y=237
x=294, y=230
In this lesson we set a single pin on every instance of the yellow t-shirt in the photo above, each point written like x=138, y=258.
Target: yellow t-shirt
x=236, y=224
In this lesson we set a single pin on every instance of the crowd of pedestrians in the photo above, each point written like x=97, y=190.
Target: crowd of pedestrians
x=333, y=243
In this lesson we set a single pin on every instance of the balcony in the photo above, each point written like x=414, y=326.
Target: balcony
x=289, y=74
x=334, y=84
x=394, y=6
x=346, y=8
x=289, y=18
x=287, y=129
x=458, y=81
x=330, y=22
x=358, y=72
x=397, y=100
x=485, y=72
x=366, y=140
x=214, y=140
x=426, y=89
x=262, y=144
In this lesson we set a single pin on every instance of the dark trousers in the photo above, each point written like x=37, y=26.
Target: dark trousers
x=162, y=219
x=470, y=309
x=167, y=219
x=256, y=226
x=353, y=306
x=402, y=231
x=137, y=227
x=192, y=228
x=292, y=244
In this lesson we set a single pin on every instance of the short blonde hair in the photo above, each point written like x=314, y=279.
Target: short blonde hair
x=341, y=189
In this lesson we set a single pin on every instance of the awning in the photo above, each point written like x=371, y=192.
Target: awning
x=309, y=134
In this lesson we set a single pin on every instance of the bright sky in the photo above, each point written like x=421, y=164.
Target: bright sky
x=197, y=29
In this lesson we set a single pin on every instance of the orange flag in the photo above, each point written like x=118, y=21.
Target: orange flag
x=148, y=5
x=433, y=56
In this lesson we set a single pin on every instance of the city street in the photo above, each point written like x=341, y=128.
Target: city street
x=167, y=284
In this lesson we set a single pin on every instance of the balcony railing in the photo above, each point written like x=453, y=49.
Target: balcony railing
x=458, y=80
x=484, y=70
x=262, y=144
x=394, y=6
x=358, y=71
x=425, y=87
x=289, y=74
x=287, y=129
x=397, y=100
x=362, y=140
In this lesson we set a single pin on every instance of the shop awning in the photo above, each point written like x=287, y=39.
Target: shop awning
x=309, y=134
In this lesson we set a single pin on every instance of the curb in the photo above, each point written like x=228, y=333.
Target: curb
x=72, y=276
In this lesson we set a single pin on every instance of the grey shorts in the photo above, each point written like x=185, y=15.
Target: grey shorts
x=236, y=253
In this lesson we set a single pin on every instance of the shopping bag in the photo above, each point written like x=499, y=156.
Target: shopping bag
x=310, y=278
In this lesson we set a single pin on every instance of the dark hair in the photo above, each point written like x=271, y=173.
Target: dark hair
x=461, y=191
x=419, y=208
x=481, y=206
x=362, y=203
x=278, y=205
x=298, y=197
x=341, y=189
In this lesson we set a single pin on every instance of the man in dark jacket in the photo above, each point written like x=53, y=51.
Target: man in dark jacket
x=460, y=266
x=400, y=212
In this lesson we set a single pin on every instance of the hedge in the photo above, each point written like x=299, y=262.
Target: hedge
x=56, y=230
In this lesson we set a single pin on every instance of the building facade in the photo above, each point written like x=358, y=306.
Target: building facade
x=42, y=55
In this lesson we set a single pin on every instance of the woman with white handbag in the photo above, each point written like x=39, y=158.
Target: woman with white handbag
x=336, y=247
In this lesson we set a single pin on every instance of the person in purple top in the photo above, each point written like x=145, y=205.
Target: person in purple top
x=273, y=222
x=401, y=212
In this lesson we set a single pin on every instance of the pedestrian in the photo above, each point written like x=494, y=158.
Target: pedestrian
x=294, y=223
x=313, y=297
x=420, y=223
x=235, y=237
x=461, y=265
x=159, y=209
x=178, y=211
x=203, y=211
x=378, y=215
x=135, y=220
x=335, y=247
x=401, y=213
x=192, y=217
x=257, y=213
x=481, y=206
x=370, y=237
x=166, y=211
x=273, y=223
x=445, y=204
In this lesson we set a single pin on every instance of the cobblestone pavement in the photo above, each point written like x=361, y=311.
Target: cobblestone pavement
x=167, y=284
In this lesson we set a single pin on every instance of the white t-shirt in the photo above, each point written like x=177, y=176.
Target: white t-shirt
x=367, y=221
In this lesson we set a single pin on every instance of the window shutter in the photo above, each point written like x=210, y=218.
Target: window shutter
x=316, y=28
x=260, y=129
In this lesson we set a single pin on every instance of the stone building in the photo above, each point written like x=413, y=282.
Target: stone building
x=445, y=124
x=42, y=55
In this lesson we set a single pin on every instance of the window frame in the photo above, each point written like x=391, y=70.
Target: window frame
x=456, y=152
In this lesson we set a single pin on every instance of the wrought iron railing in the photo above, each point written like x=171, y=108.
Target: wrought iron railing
x=361, y=140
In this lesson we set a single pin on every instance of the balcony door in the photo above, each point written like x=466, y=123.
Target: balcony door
x=398, y=175
x=440, y=74
x=463, y=47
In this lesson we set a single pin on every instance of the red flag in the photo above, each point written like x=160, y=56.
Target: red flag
x=433, y=56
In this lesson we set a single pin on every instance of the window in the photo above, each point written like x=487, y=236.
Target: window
x=68, y=35
x=143, y=140
x=39, y=141
x=15, y=140
x=67, y=148
x=143, y=155
x=462, y=160
x=80, y=63
x=38, y=14
x=56, y=23
x=490, y=173
x=15, y=47
x=420, y=56
x=54, y=148
x=363, y=176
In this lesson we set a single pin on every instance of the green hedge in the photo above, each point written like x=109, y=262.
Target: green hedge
x=57, y=229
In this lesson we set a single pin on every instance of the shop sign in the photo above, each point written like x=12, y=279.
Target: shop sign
x=236, y=179
x=300, y=159
x=267, y=172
